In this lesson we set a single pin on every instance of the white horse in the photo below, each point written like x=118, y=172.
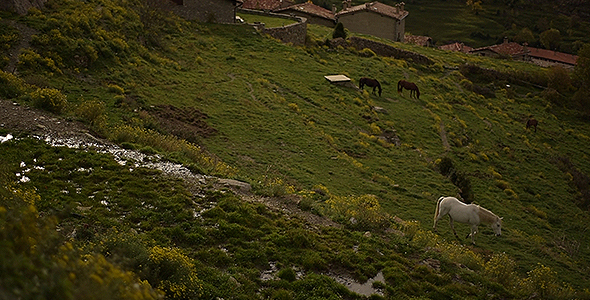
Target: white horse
x=466, y=213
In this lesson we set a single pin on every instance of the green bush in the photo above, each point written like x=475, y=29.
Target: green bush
x=339, y=31
x=32, y=61
x=174, y=273
x=11, y=86
x=92, y=113
x=49, y=99
x=287, y=274
x=38, y=264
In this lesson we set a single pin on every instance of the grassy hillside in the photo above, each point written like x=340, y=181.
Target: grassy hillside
x=262, y=112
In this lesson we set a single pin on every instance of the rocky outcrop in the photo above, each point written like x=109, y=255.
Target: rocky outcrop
x=21, y=7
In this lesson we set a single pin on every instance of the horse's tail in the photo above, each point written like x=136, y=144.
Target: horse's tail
x=379, y=85
x=417, y=92
x=399, y=86
x=438, y=207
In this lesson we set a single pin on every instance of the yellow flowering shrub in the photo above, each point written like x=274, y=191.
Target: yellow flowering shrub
x=362, y=212
x=11, y=86
x=501, y=268
x=543, y=281
x=38, y=264
x=174, y=273
x=49, y=99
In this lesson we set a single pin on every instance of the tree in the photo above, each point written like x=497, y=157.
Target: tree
x=550, y=38
x=339, y=31
x=582, y=75
x=525, y=35
x=475, y=6
x=559, y=79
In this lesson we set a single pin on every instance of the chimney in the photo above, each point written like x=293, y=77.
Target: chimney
x=401, y=6
x=505, y=40
x=344, y=4
x=333, y=9
x=397, y=8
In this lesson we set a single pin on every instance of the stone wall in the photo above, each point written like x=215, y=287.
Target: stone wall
x=295, y=34
x=380, y=49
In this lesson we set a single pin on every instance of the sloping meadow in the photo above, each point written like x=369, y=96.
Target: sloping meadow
x=270, y=115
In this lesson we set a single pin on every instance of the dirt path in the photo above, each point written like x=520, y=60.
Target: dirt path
x=22, y=120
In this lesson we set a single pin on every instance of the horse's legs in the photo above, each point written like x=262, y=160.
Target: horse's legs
x=453, y=226
x=441, y=214
x=436, y=221
x=472, y=234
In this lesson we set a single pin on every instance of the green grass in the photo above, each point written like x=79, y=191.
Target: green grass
x=269, y=22
x=278, y=120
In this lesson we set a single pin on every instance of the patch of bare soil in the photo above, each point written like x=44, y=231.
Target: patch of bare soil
x=21, y=119
x=187, y=123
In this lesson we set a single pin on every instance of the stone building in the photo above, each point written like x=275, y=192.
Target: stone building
x=375, y=19
x=506, y=49
x=313, y=13
x=549, y=58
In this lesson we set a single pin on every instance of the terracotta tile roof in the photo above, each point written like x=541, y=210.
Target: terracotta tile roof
x=506, y=48
x=419, y=40
x=312, y=9
x=266, y=4
x=458, y=47
x=377, y=7
x=566, y=58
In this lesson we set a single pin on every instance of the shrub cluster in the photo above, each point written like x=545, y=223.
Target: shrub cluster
x=360, y=213
x=38, y=264
x=11, y=86
x=49, y=99
x=93, y=113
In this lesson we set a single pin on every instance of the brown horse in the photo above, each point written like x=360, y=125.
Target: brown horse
x=531, y=122
x=402, y=84
x=370, y=83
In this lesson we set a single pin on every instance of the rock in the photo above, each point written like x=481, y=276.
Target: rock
x=235, y=184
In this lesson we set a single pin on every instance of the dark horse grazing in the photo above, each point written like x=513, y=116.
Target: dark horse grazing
x=370, y=83
x=402, y=84
x=531, y=122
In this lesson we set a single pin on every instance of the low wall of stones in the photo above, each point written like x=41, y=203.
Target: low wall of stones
x=295, y=33
x=381, y=49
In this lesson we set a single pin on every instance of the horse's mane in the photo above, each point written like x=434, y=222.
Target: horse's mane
x=486, y=216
